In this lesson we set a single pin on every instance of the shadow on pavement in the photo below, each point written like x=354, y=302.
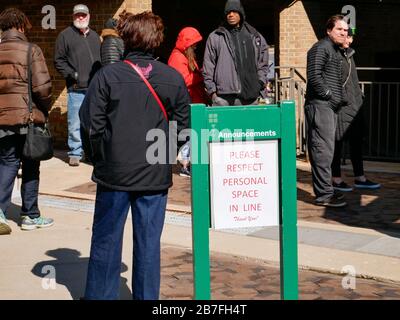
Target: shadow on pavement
x=69, y=269
x=373, y=209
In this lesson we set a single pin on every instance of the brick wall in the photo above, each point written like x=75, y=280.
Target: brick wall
x=376, y=43
x=100, y=11
x=296, y=36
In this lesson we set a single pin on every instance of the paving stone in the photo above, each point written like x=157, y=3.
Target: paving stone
x=242, y=285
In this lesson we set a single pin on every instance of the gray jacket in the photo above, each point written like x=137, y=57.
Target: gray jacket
x=219, y=66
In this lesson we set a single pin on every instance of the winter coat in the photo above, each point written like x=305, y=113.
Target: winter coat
x=193, y=79
x=219, y=67
x=352, y=92
x=324, y=75
x=112, y=47
x=14, y=94
x=77, y=57
x=118, y=115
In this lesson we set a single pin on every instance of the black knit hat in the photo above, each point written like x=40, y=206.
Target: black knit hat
x=111, y=23
x=234, y=5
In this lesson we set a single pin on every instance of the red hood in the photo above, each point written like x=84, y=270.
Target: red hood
x=187, y=37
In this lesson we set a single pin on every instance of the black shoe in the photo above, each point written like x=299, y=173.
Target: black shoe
x=343, y=186
x=332, y=202
x=367, y=184
x=338, y=195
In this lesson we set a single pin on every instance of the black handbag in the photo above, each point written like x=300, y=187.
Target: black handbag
x=38, y=143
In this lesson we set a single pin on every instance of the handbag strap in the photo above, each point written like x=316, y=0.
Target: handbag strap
x=153, y=92
x=30, y=81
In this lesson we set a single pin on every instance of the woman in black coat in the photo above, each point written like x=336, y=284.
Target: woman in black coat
x=112, y=47
x=119, y=117
x=350, y=125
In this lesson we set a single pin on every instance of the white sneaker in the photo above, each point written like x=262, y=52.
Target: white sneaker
x=4, y=226
x=32, y=224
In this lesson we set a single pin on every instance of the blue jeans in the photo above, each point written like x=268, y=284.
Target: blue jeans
x=75, y=99
x=10, y=159
x=111, y=210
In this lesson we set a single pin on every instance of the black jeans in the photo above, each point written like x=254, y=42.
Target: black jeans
x=354, y=136
x=232, y=100
x=10, y=160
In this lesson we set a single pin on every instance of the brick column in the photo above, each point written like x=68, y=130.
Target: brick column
x=296, y=36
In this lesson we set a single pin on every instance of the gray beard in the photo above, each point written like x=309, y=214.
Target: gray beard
x=81, y=25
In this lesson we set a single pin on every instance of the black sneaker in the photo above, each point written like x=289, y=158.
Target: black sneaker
x=368, y=184
x=332, y=202
x=343, y=186
x=338, y=195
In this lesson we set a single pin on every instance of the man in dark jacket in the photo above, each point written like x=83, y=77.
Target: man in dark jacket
x=112, y=47
x=350, y=125
x=235, y=63
x=323, y=100
x=118, y=116
x=77, y=58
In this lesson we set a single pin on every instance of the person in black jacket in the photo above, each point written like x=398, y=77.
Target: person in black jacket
x=324, y=98
x=118, y=115
x=77, y=58
x=112, y=47
x=350, y=125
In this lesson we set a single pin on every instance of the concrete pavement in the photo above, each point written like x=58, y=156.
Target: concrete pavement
x=324, y=249
x=242, y=267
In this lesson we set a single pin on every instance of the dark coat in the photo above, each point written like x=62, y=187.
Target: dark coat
x=14, y=94
x=324, y=75
x=219, y=66
x=117, y=114
x=77, y=57
x=352, y=92
x=112, y=47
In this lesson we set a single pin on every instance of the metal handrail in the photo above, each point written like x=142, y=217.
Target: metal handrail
x=358, y=68
x=293, y=86
x=377, y=69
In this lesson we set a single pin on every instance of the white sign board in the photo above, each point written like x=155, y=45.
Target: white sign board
x=244, y=184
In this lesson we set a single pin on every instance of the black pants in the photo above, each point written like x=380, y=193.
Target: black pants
x=233, y=100
x=354, y=136
x=321, y=128
x=10, y=159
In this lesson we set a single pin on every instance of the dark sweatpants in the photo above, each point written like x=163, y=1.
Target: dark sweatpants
x=321, y=124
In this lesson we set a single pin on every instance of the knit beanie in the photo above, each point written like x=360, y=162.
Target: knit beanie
x=111, y=23
x=234, y=5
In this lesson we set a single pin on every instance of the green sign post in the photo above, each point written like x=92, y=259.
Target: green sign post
x=208, y=123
